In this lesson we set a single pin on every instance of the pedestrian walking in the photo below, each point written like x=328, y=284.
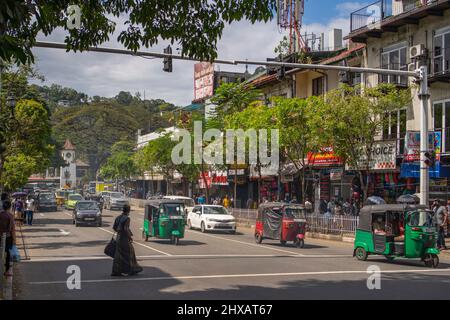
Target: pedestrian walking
x=29, y=212
x=18, y=209
x=7, y=227
x=308, y=206
x=125, y=262
x=439, y=219
x=226, y=202
x=249, y=203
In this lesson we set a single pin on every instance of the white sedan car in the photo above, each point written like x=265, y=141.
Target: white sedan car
x=211, y=217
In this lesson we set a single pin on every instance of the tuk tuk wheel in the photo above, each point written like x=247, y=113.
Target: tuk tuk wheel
x=361, y=254
x=431, y=260
x=300, y=243
x=390, y=258
x=258, y=238
x=283, y=242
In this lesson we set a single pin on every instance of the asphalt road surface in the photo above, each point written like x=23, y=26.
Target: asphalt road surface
x=210, y=266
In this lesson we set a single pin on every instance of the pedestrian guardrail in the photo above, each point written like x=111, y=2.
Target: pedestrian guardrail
x=2, y=262
x=333, y=224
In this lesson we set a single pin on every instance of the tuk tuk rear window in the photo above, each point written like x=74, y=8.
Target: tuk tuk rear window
x=174, y=209
x=419, y=218
x=295, y=213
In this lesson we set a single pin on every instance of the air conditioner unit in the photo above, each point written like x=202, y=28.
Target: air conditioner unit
x=412, y=67
x=417, y=51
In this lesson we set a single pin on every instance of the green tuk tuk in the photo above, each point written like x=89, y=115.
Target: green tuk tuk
x=396, y=230
x=164, y=219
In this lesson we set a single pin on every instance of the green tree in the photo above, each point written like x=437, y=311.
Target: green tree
x=120, y=165
x=293, y=119
x=124, y=98
x=148, y=22
x=17, y=169
x=350, y=120
x=94, y=129
x=256, y=116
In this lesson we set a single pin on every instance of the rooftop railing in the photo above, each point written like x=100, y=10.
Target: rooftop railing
x=382, y=9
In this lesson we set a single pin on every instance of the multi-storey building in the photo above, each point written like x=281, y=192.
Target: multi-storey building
x=401, y=35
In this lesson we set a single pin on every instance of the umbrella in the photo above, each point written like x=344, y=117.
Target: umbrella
x=374, y=200
x=19, y=194
x=408, y=199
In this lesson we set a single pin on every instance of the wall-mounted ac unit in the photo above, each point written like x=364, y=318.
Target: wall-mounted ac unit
x=412, y=67
x=417, y=51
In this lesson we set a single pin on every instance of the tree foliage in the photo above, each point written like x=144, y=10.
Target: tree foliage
x=351, y=120
x=120, y=165
x=147, y=23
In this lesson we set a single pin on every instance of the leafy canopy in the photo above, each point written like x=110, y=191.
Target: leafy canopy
x=195, y=25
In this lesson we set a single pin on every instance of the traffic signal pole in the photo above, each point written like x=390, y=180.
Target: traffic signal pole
x=420, y=75
x=424, y=96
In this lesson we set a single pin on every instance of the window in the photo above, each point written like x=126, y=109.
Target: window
x=441, y=120
x=394, y=58
x=317, y=86
x=441, y=53
x=394, y=128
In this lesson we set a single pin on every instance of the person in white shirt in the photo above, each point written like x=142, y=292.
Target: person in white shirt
x=29, y=212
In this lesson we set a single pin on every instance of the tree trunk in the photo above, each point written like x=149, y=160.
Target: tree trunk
x=235, y=186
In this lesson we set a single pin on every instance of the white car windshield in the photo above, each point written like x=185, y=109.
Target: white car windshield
x=87, y=206
x=214, y=210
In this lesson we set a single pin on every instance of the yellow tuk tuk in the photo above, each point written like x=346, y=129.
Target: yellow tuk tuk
x=62, y=196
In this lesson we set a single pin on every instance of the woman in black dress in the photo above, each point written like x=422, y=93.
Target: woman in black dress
x=125, y=259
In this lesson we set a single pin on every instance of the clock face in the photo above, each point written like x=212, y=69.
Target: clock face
x=69, y=155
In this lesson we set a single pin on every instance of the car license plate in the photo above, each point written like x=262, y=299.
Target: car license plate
x=89, y=219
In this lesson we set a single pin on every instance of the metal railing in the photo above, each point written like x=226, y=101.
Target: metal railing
x=381, y=10
x=2, y=262
x=334, y=224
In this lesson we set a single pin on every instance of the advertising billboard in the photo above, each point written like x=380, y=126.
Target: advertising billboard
x=203, y=80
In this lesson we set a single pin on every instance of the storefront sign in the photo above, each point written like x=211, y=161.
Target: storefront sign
x=214, y=178
x=204, y=80
x=412, y=170
x=265, y=172
x=412, y=145
x=325, y=157
x=383, y=157
x=336, y=174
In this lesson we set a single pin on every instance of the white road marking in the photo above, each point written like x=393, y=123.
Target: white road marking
x=186, y=256
x=251, y=275
x=247, y=243
x=64, y=232
x=41, y=214
x=139, y=244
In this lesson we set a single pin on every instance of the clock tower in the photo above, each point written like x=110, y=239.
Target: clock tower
x=68, y=177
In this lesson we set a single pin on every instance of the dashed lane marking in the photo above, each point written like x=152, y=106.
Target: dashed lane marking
x=250, y=275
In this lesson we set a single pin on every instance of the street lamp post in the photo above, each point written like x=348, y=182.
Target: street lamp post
x=424, y=96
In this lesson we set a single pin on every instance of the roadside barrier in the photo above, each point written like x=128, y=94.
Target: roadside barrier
x=335, y=224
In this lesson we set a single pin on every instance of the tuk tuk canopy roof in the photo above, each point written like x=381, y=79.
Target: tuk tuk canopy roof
x=365, y=215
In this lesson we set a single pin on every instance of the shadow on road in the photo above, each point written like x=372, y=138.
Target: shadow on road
x=159, y=284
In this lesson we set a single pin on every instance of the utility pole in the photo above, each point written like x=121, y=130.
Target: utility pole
x=424, y=96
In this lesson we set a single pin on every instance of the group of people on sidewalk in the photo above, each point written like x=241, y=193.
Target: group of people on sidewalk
x=23, y=210
x=439, y=219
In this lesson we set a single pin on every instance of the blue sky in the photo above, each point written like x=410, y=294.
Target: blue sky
x=321, y=11
x=106, y=75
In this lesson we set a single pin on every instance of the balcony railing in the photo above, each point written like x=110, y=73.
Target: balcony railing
x=380, y=10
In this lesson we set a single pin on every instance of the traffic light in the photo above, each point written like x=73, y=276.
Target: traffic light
x=168, y=60
x=430, y=158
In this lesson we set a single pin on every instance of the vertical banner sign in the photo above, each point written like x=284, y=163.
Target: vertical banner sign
x=412, y=145
x=203, y=80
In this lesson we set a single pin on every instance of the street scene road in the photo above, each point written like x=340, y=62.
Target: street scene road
x=210, y=266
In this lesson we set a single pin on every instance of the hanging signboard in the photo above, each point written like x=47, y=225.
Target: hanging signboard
x=325, y=157
x=336, y=174
x=203, y=80
x=383, y=157
x=412, y=145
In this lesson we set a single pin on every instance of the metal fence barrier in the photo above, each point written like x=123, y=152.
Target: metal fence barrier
x=2, y=262
x=335, y=224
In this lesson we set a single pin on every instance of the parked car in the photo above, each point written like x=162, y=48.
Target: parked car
x=189, y=203
x=72, y=200
x=87, y=212
x=115, y=200
x=211, y=217
x=46, y=202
